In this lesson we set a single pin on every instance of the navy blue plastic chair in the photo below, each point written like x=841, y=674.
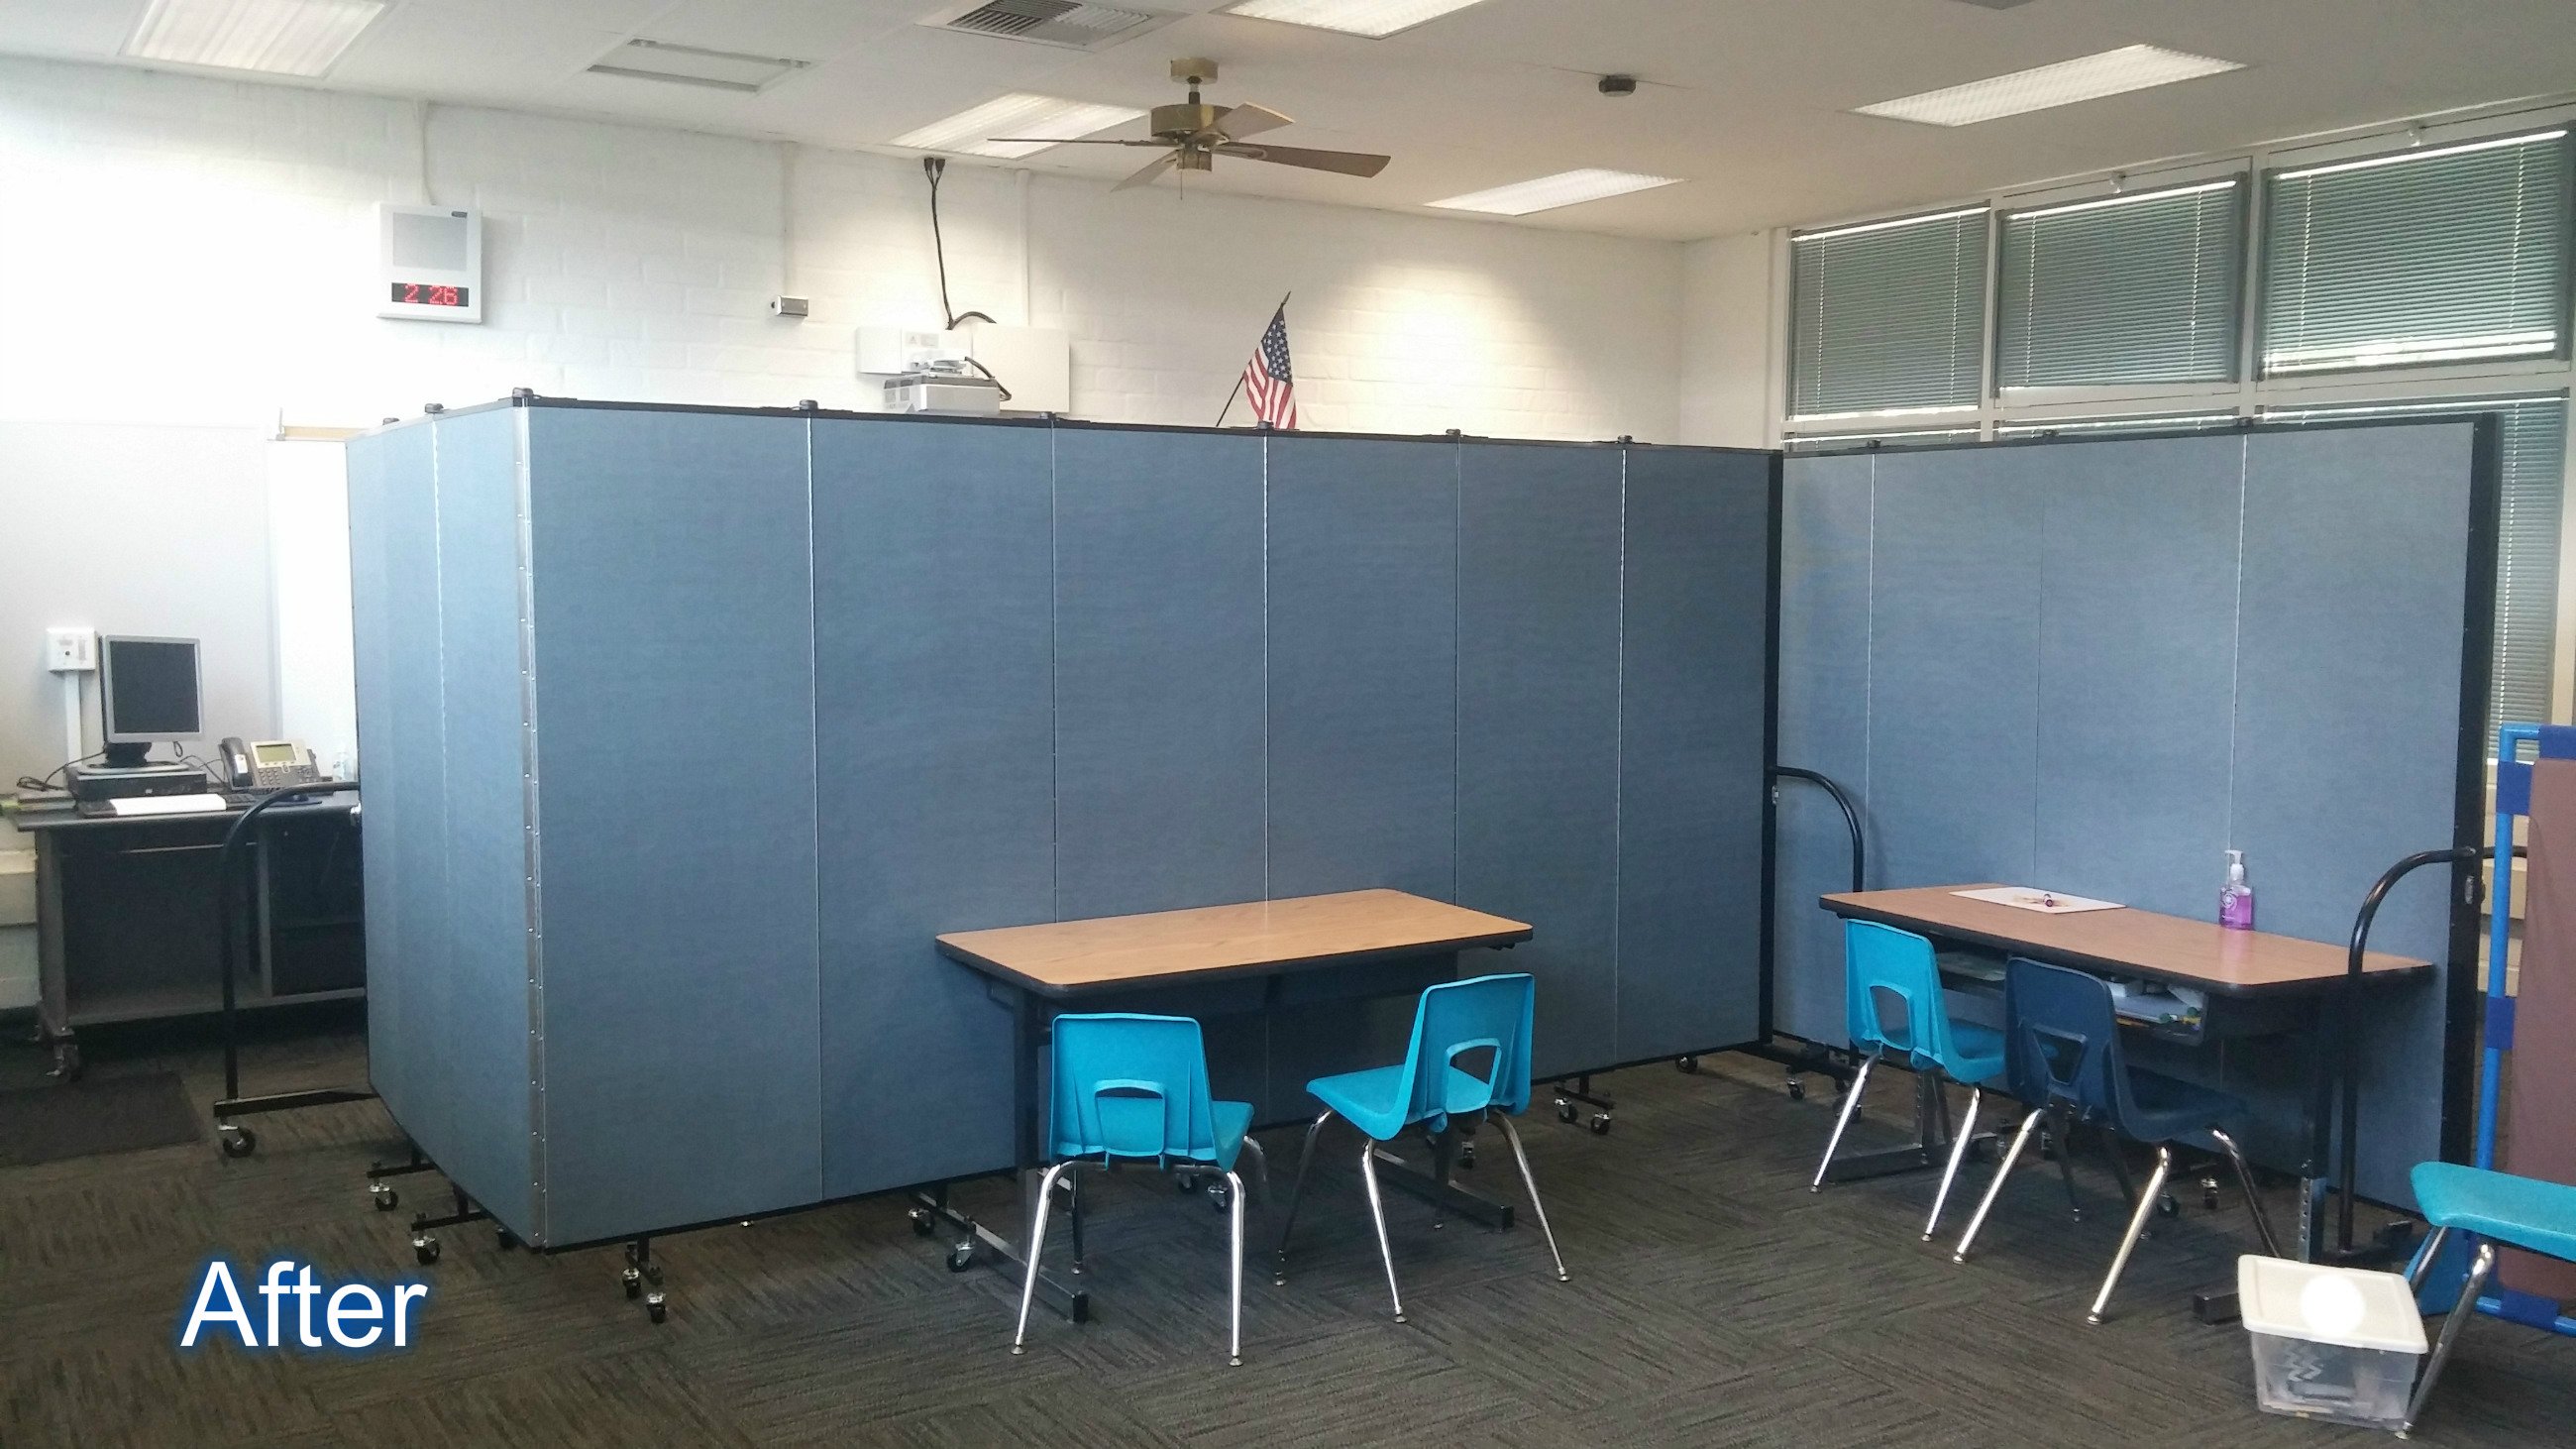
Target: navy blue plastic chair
x=1455, y=1019
x=1893, y=1006
x=2062, y=1039
x=1130, y=1088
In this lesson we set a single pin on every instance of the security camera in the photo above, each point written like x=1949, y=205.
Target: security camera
x=1618, y=85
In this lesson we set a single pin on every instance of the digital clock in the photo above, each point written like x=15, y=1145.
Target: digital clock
x=431, y=294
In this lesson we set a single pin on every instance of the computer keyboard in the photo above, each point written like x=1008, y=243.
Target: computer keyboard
x=137, y=805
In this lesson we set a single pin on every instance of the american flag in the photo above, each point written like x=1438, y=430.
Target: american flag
x=1266, y=379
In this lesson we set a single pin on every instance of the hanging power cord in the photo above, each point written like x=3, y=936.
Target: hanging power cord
x=935, y=167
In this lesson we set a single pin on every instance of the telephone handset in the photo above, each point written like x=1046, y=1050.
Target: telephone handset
x=267, y=764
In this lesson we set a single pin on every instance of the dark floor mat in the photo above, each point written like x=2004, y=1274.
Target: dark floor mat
x=88, y=1118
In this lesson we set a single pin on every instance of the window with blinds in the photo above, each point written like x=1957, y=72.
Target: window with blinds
x=2438, y=255
x=2101, y=427
x=1855, y=442
x=1888, y=316
x=2125, y=289
x=2534, y=437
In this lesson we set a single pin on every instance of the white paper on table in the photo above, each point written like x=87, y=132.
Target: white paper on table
x=2047, y=903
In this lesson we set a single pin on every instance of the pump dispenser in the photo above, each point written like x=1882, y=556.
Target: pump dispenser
x=2236, y=898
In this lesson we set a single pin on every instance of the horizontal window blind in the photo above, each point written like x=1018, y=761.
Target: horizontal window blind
x=2439, y=255
x=2097, y=427
x=1888, y=316
x=2534, y=438
x=2141, y=288
x=1848, y=442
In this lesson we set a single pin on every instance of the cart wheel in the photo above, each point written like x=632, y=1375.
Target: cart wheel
x=1797, y=1089
x=67, y=1062
x=239, y=1141
x=1564, y=1110
x=633, y=1282
x=2168, y=1208
x=921, y=1223
x=425, y=1248
x=1687, y=1066
x=1600, y=1124
x=962, y=1256
x=654, y=1310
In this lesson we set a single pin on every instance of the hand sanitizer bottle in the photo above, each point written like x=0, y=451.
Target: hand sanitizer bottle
x=2236, y=898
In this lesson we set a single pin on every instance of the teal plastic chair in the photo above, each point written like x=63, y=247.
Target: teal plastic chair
x=2495, y=1207
x=1454, y=1019
x=1130, y=1088
x=1892, y=1006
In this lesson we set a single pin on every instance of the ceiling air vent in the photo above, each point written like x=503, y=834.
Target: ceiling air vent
x=1069, y=24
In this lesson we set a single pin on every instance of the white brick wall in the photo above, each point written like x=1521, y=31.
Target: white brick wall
x=182, y=250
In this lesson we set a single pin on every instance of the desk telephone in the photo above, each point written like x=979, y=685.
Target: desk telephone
x=268, y=765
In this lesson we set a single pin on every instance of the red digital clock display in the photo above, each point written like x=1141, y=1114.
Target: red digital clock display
x=424, y=294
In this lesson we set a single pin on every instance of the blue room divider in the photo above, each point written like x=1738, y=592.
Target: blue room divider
x=685, y=730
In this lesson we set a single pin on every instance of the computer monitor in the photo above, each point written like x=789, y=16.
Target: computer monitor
x=147, y=691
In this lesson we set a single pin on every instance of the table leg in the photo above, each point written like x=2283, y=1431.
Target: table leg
x=1438, y=1187
x=976, y=1242
x=2326, y=1056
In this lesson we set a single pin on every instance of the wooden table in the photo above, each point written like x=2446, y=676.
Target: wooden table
x=2258, y=978
x=1076, y=963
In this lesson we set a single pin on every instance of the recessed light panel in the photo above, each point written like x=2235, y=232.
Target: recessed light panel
x=281, y=37
x=1546, y=193
x=1372, y=18
x=2113, y=72
x=1017, y=114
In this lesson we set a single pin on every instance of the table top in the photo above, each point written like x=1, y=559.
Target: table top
x=2127, y=941
x=1067, y=958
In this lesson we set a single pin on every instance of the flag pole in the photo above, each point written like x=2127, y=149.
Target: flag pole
x=1256, y=344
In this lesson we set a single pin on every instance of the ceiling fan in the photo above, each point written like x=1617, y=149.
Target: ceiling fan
x=1194, y=134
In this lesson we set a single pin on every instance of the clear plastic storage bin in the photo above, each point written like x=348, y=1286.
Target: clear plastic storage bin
x=2337, y=1344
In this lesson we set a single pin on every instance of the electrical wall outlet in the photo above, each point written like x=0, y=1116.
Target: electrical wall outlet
x=71, y=651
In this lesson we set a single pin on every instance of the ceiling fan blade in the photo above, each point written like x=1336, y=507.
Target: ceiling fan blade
x=1153, y=168
x=1075, y=141
x=1242, y=121
x=1348, y=163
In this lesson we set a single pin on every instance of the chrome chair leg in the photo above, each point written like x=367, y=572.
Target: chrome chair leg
x=1296, y=1194
x=1531, y=1182
x=1377, y=1210
x=1234, y=1199
x=2458, y=1318
x=1995, y=1188
x=1037, y=1243
x=1851, y=1104
x=2253, y=1195
x=1958, y=1151
x=2137, y=1229
x=2424, y=1256
x=1260, y=1168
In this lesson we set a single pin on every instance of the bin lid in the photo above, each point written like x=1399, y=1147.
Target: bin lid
x=2347, y=1307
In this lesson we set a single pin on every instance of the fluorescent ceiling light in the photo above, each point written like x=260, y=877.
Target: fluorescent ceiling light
x=1546, y=193
x=1372, y=18
x=2113, y=72
x=1017, y=114
x=282, y=37
x=691, y=65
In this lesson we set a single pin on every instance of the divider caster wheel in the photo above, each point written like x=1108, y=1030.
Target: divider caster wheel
x=921, y=1222
x=1216, y=1195
x=2166, y=1207
x=425, y=1248
x=1687, y=1066
x=962, y=1256
x=506, y=1239
x=238, y=1141
x=67, y=1062
x=1797, y=1089
x=1600, y=1124
x=386, y=1198
x=653, y=1308
x=633, y=1282
x=1467, y=1155
x=1564, y=1110
x=2209, y=1194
